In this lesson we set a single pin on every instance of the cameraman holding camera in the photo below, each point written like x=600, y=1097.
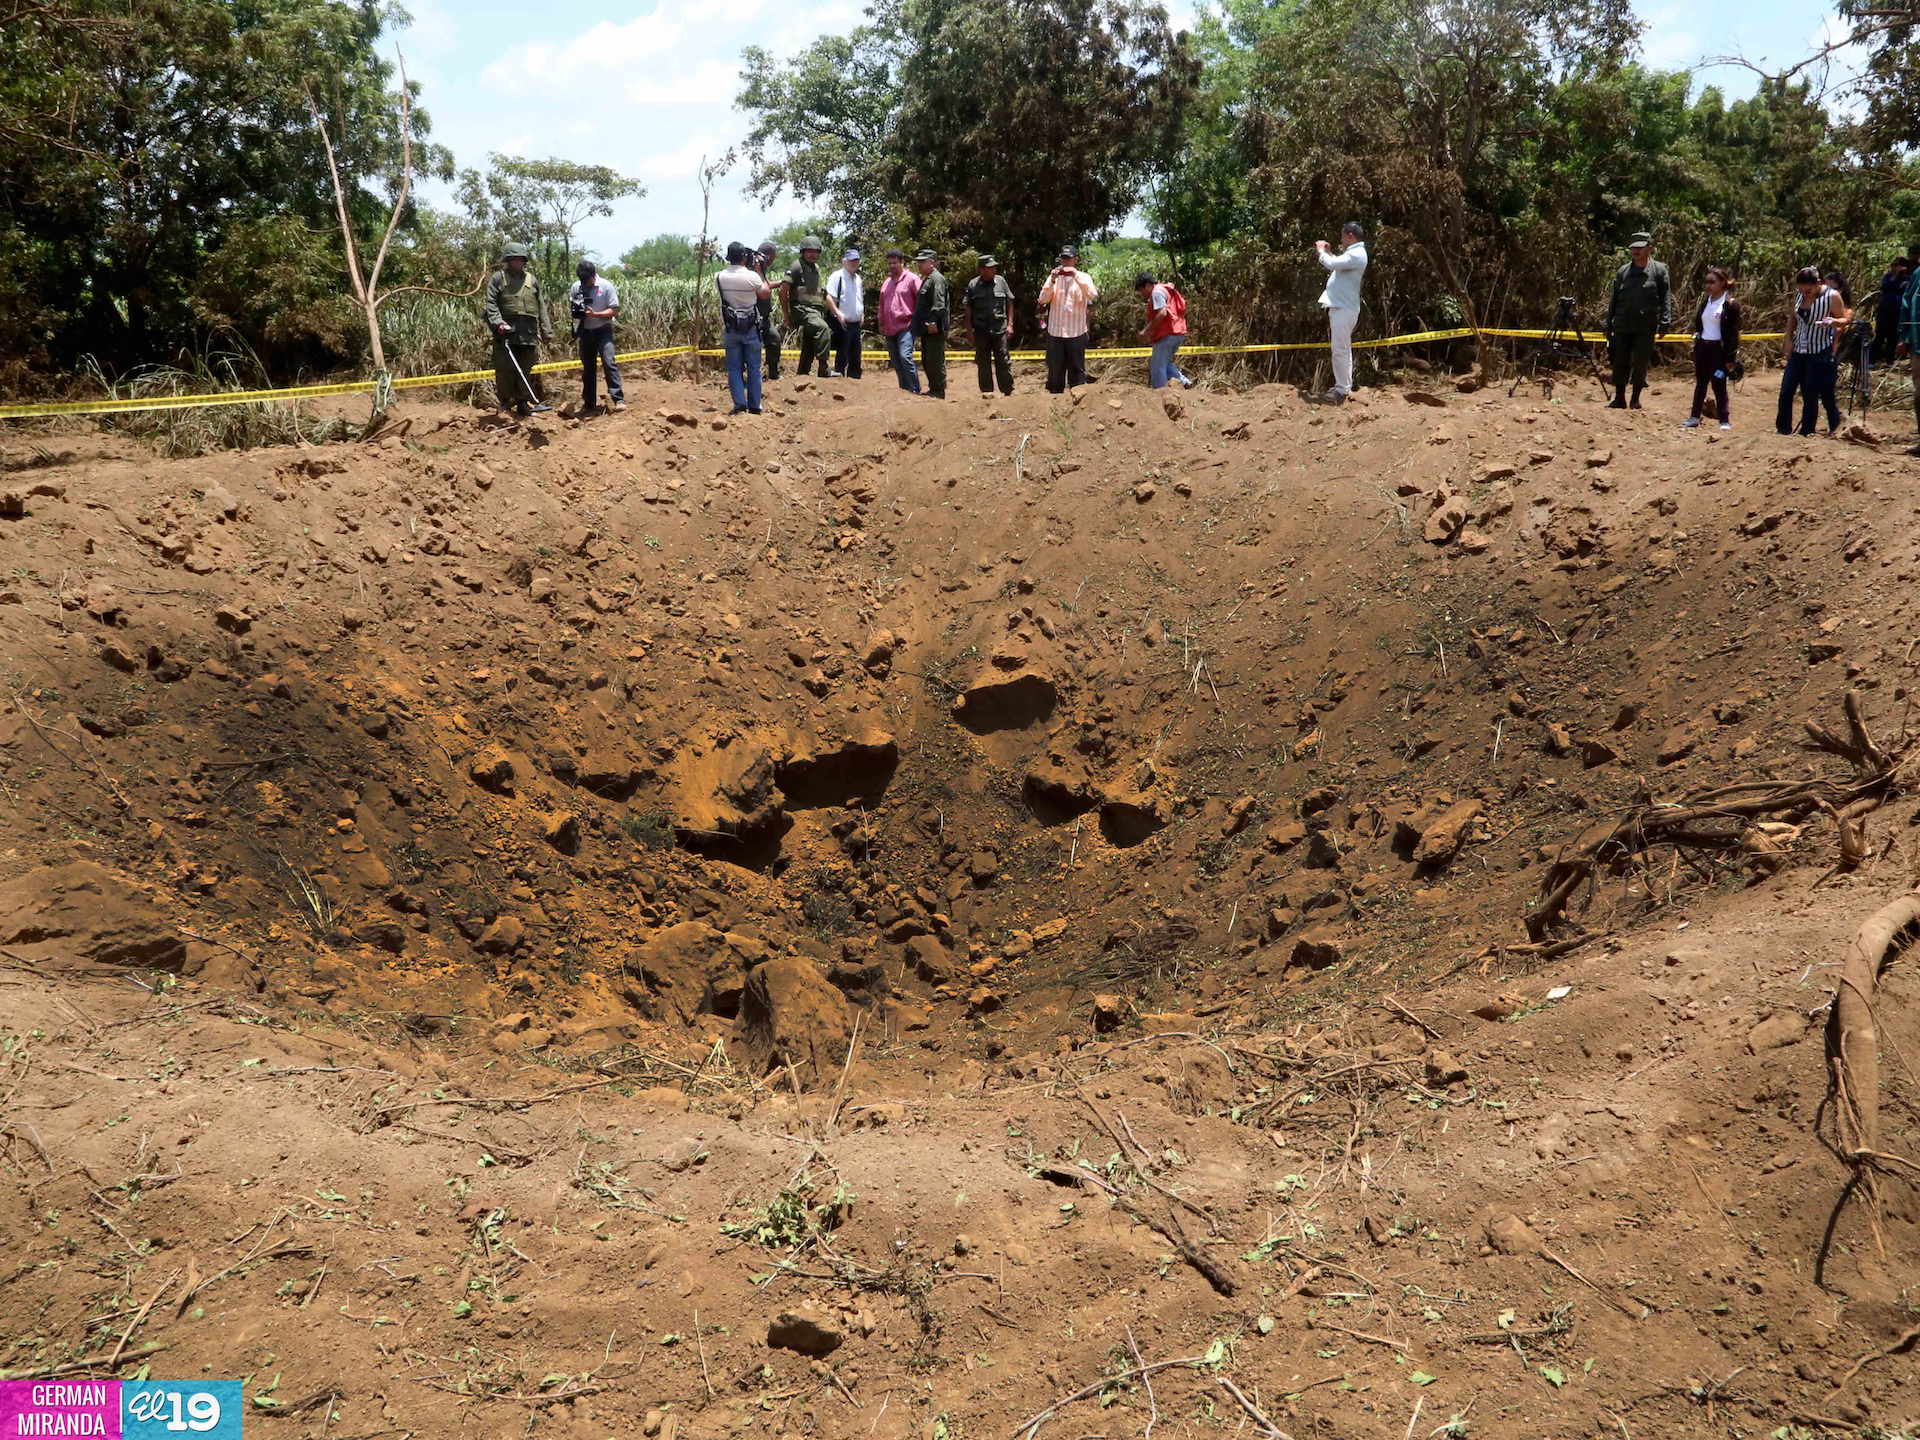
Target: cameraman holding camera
x=594, y=302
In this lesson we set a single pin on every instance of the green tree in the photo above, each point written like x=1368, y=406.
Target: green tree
x=1024, y=123
x=141, y=137
x=821, y=123
x=665, y=254
x=542, y=202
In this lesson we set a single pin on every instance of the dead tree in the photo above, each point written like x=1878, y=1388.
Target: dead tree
x=703, y=249
x=366, y=283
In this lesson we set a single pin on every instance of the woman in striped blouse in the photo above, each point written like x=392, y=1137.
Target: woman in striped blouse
x=1812, y=369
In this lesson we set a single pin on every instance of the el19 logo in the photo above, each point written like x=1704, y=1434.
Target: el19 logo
x=174, y=1409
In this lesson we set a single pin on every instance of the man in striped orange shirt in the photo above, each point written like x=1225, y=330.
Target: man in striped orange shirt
x=1068, y=295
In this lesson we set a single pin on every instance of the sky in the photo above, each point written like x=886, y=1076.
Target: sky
x=647, y=86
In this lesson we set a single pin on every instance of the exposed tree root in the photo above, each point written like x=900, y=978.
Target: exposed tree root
x=1733, y=819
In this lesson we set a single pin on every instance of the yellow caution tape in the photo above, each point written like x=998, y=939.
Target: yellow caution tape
x=465, y=377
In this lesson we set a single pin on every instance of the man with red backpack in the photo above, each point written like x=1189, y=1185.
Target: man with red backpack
x=1165, y=330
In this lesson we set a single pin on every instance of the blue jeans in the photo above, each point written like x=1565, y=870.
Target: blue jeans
x=1160, y=365
x=900, y=350
x=743, y=369
x=1815, y=377
x=596, y=349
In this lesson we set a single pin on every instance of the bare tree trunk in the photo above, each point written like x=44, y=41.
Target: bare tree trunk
x=700, y=251
x=366, y=287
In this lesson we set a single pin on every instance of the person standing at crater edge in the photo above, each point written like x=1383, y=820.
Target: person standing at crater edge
x=932, y=316
x=1068, y=298
x=899, y=292
x=595, y=302
x=803, y=298
x=1640, y=307
x=988, y=305
x=516, y=314
x=1341, y=301
x=847, y=300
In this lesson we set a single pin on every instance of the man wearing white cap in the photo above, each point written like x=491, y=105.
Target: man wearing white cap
x=846, y=308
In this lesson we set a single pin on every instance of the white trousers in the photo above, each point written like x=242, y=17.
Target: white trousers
x=1341, y=323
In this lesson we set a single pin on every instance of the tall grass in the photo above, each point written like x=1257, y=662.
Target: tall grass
x=436, y=335
x=199, y=430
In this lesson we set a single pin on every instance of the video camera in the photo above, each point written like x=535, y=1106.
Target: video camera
x=1564, y=314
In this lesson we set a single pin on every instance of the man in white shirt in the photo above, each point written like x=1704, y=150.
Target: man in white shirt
x=594, y=303
x=846, y=308
x=1341, y=301
x=1068, y=296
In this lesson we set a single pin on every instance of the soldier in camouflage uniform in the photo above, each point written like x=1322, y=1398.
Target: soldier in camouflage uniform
x=988, y=303
x=932, y=318
x=1640, y=307
x=803, y=297
x=516, y=315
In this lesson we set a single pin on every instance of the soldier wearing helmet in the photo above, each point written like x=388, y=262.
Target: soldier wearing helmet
x=516, y=316
x=803, y=297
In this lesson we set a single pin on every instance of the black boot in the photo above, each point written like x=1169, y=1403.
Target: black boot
x=1619, y=401
x=1635, y=403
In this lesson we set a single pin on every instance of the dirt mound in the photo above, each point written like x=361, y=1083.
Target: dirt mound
x=1045, y=885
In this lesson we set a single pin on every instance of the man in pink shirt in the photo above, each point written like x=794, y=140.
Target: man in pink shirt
x=1068, y=295
x=899, y=293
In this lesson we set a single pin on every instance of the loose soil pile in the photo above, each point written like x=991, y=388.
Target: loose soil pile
x=899, y=919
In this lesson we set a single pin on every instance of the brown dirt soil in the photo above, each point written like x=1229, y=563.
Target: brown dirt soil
x=887, y=919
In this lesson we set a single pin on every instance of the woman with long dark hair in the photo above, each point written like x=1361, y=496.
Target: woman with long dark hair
x=1716, y=344
x=1811, y=371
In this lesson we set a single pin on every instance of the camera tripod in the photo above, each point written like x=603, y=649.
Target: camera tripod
x=1555, y=346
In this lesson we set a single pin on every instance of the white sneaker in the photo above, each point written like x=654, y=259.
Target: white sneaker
x=1725, y=426
x=1693, y=424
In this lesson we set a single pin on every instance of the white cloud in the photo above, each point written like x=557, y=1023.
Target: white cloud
x=681, y=164
x=432, y=30
x=711, y=82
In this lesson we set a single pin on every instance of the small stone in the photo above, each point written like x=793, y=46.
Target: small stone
x=1317, y=949
x=1595, y=753
x=502, y=937
x=983, y=867
x=233, y=619
x=1443, y=1069
x=1598, y=458
x=1782, y=1028
x=1446, y=521
x=683, y=1155
x=1284, y=835
x=1510, y=1235
x=561, y=830
x=1676, y=744
x=1144, y=492
x=1108, y=1012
